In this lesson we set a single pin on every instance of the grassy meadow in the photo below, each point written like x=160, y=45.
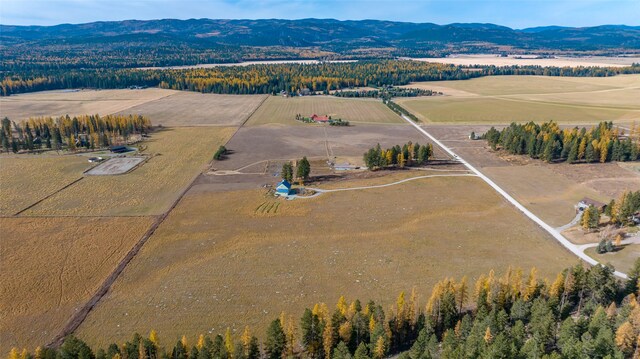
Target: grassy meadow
x=220, y=261
x=506, y=99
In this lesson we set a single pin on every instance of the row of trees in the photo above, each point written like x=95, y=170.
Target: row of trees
x=88, y=131
x=399, y=109
x=582, y=313
x=601, y=143
x=386, y=93
x=303, y=170
x=272, y=78
x=408, y=155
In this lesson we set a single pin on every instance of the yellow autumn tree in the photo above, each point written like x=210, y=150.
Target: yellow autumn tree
x=532, y=285
x=380, y=349
x=488, y=337
x=625, y=338
x=200, y=342
x=228, y=342
x=185, y=343
x=327, y=340
x=342, y=305
x=557, y=287
x=153, y=337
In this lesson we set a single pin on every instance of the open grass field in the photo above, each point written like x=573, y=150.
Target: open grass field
x=51, y=266
x=505, y=99
x=63, y=102
x=180, y=154
x=560, y=61
x=547, y=194
x=622, y=260
x=197, y=109
x=219, y=260
x=25, y=180
x=283, y=110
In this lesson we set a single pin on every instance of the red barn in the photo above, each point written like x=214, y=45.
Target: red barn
x=317, y=118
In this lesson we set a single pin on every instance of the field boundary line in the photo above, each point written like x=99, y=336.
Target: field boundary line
x=48, y=196
x=254, y=111
x=552, y=231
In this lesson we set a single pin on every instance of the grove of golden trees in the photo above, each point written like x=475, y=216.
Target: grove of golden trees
x=550, y=143
x=65, y=132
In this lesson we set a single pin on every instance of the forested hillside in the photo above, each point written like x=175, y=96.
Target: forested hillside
x=136, y=43
x=581, y=313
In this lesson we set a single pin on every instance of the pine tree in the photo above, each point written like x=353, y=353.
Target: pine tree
x=276, y=341
x=287, y=172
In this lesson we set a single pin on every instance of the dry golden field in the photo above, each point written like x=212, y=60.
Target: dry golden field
x=559, y=61
x=283, y=110
x=63, y=102
x=26, y=179
x=505, y=99
x=219, y=260
x=545, y=193
x=197, y=109
x=180, y=154
x=51, y=266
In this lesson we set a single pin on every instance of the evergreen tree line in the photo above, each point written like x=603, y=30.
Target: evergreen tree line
x=408, y=155
x=65, y=132
x=386, y=93
x=273, y=78
x=582, y=313
x=601, y=143
x=399, y=109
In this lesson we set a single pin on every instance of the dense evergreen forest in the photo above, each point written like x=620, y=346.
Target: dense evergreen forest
x=581, y=313
x=601, y=143
x=273, y=78
x=87, y=131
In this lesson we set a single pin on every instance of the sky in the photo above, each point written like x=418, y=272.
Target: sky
x=512, y=13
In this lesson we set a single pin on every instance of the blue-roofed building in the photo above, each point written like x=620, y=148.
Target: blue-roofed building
x=283, y=188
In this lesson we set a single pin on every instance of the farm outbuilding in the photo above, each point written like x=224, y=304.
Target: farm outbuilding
x=283, y=188
x=586, y=202
x=119, y=149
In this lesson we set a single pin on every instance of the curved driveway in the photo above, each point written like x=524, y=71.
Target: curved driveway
x=552, y=231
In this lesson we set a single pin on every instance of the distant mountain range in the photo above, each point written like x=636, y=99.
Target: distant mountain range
x=330, y=33
x=234, y=40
